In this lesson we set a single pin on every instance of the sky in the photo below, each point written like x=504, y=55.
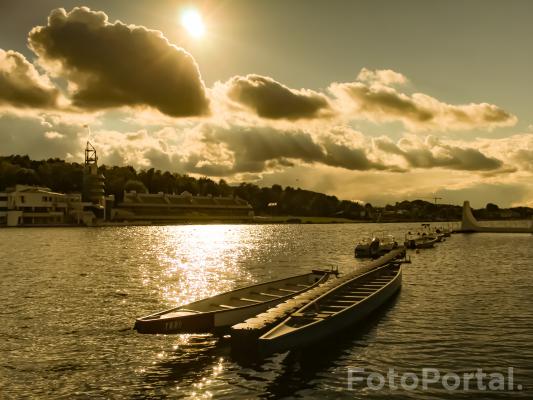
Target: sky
x=374, y=101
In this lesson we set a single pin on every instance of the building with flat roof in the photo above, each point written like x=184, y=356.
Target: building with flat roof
x=24, y=205
x=34, y=205
x=162, y=207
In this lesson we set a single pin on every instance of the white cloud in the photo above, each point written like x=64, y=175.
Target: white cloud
x=383, y=76
x=52, y=135
x=376, y=101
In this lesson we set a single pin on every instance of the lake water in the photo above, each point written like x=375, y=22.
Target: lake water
x=69, y=297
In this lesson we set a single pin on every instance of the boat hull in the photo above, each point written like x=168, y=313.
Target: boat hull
x=368, y=250
x=202, y=322
x=197, y=323
x=318, y=331
x=187, y=318
x=425, y=244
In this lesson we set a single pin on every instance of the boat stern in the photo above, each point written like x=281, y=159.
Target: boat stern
x=198, y=323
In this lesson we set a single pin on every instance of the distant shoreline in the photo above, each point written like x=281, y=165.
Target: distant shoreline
x=258, y=220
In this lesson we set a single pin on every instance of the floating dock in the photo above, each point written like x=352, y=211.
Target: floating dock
x=469, y=224
x=245, y=335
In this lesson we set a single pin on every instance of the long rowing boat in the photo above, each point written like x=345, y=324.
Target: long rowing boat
x=335, y=310
x=224, y=310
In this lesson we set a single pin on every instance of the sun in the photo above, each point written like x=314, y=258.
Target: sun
x=192, y=21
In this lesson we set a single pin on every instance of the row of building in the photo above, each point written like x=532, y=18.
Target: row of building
x=39, y=206
x=25, y=205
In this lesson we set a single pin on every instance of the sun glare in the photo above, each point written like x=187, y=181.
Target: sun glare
x=192, y=21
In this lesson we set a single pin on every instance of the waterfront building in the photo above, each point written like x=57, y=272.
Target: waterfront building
x=172, y=207
x=24, y=205
x=34, y=205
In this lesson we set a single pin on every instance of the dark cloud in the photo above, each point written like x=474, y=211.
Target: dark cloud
x=441, y=155
x=386, y=101
x=258, y=149
x=116, y=64
x=270, y=99
x=21, y=85
x=338, y=155
x=469, y=159
x=252, y=148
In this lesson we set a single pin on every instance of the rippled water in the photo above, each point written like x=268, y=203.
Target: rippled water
x=69, y=297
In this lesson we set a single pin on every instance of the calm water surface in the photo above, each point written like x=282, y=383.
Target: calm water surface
x=69, y=297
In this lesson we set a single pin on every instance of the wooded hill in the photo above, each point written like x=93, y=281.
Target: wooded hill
x=66, y=177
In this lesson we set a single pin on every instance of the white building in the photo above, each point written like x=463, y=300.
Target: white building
x=25, y=205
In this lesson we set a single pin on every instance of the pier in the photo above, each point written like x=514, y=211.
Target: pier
x=469, y=224
x=245, y=335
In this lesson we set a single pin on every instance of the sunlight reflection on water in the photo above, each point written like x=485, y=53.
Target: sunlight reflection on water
x=197, y=262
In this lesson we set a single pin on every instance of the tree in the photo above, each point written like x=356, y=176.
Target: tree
x=135, y=185
x=492, y=207
x=26, y=176
x=224, y=189
x=8, y=174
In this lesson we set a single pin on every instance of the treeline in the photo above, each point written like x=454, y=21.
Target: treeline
x=54, y=173
x=420, y=210
x=66, y=177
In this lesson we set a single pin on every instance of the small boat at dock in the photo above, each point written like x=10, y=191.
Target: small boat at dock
x=367, y=248
x=426, y=242
x=445, y=232
x=425, y=239
x=419, y=242
x=387, y=243
x=224, y=310
x=335, y=310
x=375, y=246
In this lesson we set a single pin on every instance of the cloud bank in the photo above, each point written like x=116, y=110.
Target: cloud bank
x=373, y=98
x=432, y=153
x=256, y=150
x=114, y=64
